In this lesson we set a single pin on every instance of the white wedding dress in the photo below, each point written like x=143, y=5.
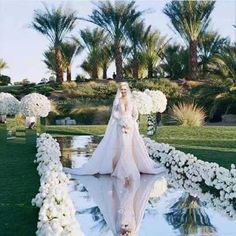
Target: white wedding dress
x=120, y=154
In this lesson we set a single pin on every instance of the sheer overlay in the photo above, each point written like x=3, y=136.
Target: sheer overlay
x=121, y=152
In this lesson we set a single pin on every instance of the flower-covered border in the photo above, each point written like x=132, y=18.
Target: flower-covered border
x=57, y=213
x=215, y=184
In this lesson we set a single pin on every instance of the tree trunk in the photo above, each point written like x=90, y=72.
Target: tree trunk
x=150, y=69
x=118, y=61
x=59, y=67
x=104, y=71
x=68, y=73
x=135, y=69
x=193, y=65
x=95, y=72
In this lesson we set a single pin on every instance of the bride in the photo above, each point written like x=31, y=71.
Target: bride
x=121, y=152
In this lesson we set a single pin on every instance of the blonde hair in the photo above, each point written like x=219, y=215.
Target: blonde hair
x=124, y=84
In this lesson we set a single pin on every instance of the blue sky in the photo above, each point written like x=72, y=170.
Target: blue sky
x=22, y=48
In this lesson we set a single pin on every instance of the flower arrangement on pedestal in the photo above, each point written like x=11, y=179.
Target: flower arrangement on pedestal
x=150, y=103
x=34, y=105
x=159, y=103
x=9, y=105
x=143, y=102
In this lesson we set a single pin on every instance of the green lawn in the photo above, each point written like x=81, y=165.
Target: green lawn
x=19, y=182
x=209, y=143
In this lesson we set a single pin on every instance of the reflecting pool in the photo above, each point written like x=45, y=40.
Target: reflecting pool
x=153, y=206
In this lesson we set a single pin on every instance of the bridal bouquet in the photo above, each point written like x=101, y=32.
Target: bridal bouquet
x=125, y=124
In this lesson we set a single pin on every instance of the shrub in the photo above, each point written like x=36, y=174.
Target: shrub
x=44, y=90
x=92, y=115
x=171, y=89
x=4, y=80
x=80, y=78
x=188, y=114
x=69, y=86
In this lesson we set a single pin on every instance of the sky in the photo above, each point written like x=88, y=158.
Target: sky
x=22, y=47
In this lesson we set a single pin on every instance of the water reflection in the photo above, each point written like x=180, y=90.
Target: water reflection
x=119, y=207
x=154, y=206
x=188, y=216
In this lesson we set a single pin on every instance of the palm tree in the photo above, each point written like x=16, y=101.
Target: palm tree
x=50, y=61
x=225, y=62
x=175, y=62
x=210, y=44
x=106, y=58
x=55, y=24
x=3, y=65
x=95, y=42
x=154, y=47
x=137, y=34
x=69, y=51
x=115, y=19
x=190, y=19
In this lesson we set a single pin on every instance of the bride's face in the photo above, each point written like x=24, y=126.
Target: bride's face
x=123, y=90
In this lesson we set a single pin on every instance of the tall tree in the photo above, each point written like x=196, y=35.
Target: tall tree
x=137, y=34
x=190, y=19
x=225, y=62
x=115, y=19
x=175, y=62
x=55, y=24
x=210, y=45
x=154, y=45
x=3, y=65
x=106, y=58
x=50, y=60
x=95, y=41
x=69, y=51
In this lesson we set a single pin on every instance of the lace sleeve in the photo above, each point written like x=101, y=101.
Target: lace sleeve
x=115, y=110
x=135, y=112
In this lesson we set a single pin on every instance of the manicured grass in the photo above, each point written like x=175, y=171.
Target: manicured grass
x=209, y=143
x=76, y=129
x=19, y=182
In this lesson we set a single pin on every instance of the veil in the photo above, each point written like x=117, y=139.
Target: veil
x=114, y=111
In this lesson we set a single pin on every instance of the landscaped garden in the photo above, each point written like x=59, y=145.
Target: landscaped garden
x=185, y=95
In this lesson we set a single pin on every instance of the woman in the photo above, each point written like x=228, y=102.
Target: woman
x=122, y=152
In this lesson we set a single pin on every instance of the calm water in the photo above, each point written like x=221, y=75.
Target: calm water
x=152, y=206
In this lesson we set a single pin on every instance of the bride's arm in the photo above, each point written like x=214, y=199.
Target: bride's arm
x=115, y=111
x=135, y=111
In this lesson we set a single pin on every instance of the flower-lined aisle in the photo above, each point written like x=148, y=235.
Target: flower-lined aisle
x=57, y=213
x=210, y=182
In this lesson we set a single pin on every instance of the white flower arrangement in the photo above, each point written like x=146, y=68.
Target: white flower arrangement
x=159, y=101
x=151, y=123
x=35, y=104
x=190, y=172
x=9, y=105
x=125, y=123
x=149, y=102
x=143, y=102
x=57, y=213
